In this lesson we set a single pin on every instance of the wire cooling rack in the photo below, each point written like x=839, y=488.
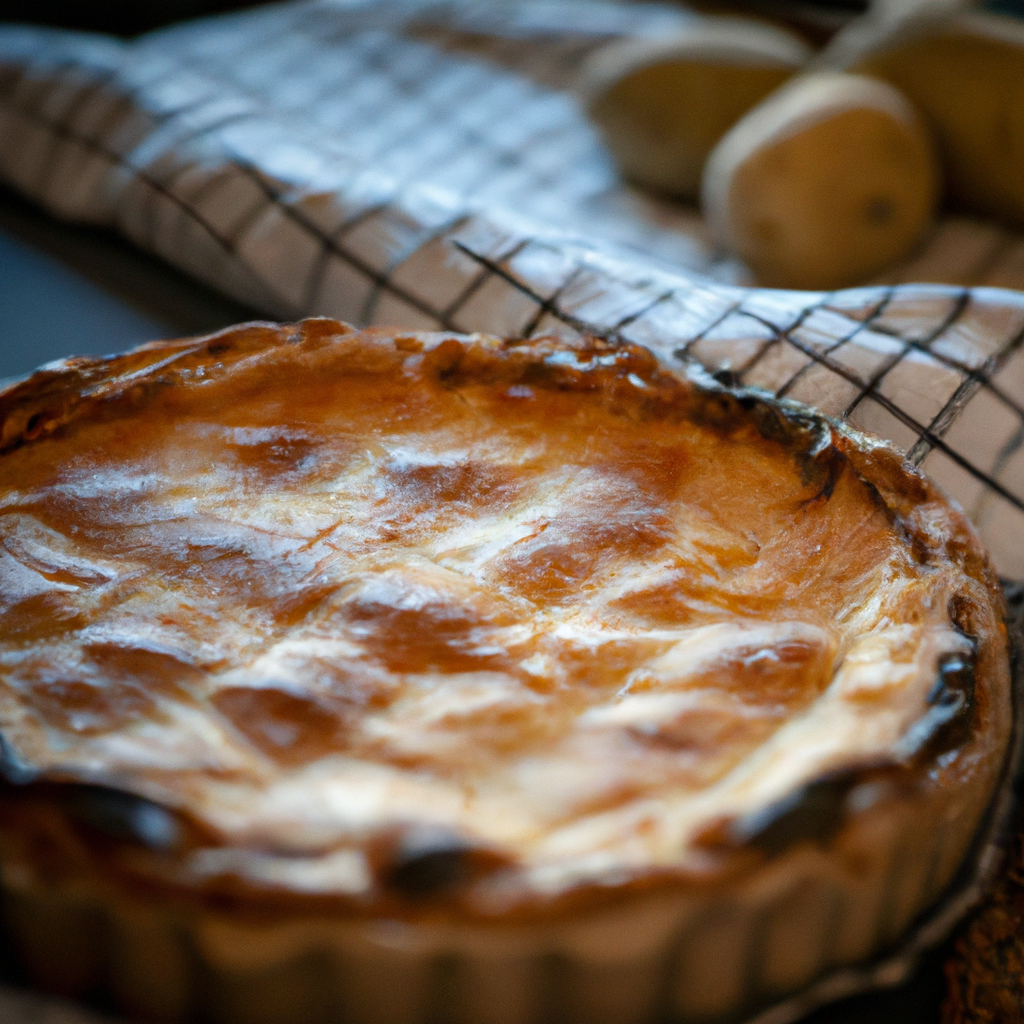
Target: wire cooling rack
x=428, y=166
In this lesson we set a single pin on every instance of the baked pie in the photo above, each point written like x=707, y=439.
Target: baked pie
x=406, y=677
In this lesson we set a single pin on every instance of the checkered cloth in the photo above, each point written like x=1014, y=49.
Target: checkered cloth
x=428, y=166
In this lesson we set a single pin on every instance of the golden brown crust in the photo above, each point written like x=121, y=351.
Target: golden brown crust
x=369, y=618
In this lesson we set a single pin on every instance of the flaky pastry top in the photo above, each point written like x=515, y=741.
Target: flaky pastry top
x=337, y=605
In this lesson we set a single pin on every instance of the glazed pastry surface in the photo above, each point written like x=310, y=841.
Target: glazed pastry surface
x=325, y=594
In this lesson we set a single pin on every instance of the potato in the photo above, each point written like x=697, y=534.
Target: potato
x=824, y=183
x=965, y=74
x=662, y=104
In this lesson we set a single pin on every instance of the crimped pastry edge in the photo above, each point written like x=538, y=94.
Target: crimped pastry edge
x=682, y=957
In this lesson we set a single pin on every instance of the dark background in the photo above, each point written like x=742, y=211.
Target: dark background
x=123, y=17
x=128, y=17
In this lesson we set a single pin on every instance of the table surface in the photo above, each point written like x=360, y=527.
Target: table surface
x=69, y=290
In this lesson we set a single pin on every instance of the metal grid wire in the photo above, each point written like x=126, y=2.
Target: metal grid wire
x=427, y=166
